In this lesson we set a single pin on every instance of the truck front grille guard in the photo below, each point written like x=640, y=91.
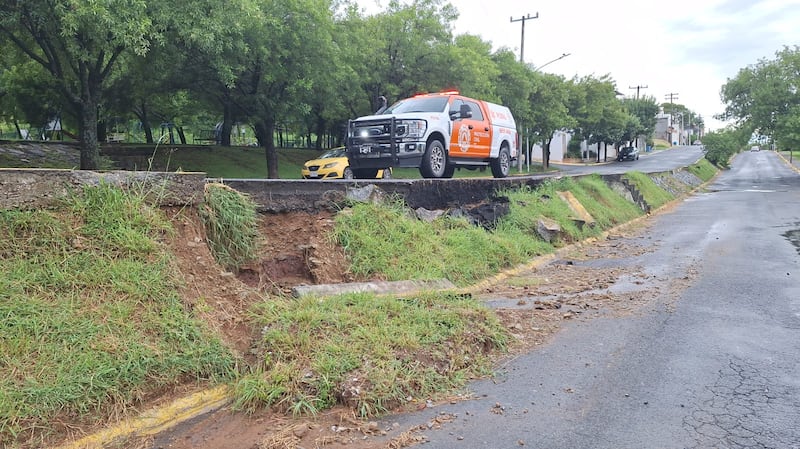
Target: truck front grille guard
x=390, y=138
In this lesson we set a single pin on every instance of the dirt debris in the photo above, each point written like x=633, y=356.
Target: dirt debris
x=533, y=305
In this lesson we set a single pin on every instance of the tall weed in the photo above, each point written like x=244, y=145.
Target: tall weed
x=231, y=225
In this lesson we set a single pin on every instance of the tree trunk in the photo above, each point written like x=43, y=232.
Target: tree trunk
x=145, y=119
x=19, y=131
x=227, y=123
x=181, y=134
x=265, y=130
x=320, y=133
x=546, y=153
x=87, y=131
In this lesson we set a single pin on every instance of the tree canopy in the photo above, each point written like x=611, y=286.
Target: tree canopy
x=308, y=65
x=764, y=98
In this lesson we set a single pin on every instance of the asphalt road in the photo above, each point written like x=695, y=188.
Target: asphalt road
x=714, y=362
x=657, y=161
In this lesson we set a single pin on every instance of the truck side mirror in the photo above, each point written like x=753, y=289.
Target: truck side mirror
x=465, y=111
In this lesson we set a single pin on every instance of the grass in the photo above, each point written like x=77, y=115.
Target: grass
x=92, y=319
x=703, y=169
x=231, y=225
x=234, y=162
x=387, y=241
x=371, y=353
x=605, y=205
x=654, y=195
x=225, y=162
x=661, y=144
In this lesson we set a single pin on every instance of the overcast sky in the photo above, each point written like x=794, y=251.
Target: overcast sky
x=686, y=47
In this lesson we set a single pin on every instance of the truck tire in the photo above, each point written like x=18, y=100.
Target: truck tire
x=434, y=161
x=365, y=173
x=501, y=165
x=448, y=172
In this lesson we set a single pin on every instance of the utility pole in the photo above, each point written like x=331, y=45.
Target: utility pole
x=637, y=90
x=522, y=40
x=671, y=97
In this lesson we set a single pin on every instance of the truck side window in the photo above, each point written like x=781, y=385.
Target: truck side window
x=476, y=111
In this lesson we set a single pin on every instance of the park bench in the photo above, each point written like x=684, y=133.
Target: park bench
x=205, y=136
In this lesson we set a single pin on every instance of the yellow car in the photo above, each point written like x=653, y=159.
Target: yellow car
x=333, y=164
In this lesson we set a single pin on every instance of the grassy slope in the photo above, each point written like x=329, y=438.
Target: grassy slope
x=92, y=321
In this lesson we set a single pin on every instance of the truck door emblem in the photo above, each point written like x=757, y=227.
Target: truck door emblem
x=463, y=138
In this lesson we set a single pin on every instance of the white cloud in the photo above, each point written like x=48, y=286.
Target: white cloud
x=688, y=47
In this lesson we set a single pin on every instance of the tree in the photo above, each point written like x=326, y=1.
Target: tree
x=645, y=109
x=467, y=65
x=79, y=44
x=597, y=110
x=764, y=97
x=514, y=83
x=549, y=111
x=288, y=42
x=721, y=145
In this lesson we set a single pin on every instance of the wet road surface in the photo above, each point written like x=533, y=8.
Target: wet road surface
x=712, y=362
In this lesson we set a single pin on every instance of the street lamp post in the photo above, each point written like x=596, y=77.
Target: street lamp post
x=536, y=69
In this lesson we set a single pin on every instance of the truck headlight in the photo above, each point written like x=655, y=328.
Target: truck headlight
x=413, y=128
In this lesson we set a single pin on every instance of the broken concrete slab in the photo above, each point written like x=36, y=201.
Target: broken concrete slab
x=581, y=214
x=382, y=287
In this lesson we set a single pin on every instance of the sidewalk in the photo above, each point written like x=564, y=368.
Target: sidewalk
x=794, y=162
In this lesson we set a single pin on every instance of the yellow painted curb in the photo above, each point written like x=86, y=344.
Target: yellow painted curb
x=793, y=167
x=157, y=420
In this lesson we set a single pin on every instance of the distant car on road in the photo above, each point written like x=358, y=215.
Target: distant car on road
x=333, y=164
x=628, y=154
x=755, y=148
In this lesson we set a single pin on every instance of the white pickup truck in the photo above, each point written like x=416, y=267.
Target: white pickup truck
x=435, y=133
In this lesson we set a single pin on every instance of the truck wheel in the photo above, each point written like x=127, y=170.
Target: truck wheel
x=501, y=165
x=387, y=173
x=347, y=174
x=365, y=173
x=448, y=172
x=434, y=161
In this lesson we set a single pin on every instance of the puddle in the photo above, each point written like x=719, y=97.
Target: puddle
x=794, y=238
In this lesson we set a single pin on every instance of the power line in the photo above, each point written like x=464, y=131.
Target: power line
x=637, y=90
x=522, y=39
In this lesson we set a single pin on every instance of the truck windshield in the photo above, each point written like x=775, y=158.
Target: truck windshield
x=419, y=104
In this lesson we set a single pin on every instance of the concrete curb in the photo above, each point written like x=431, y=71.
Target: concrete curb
x=789, y=164
x=157, y=420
